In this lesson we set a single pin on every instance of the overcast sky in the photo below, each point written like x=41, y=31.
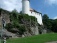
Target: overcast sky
x=11, y=4
x=48, y=7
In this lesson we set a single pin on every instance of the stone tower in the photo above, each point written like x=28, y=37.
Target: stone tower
x=26, y=6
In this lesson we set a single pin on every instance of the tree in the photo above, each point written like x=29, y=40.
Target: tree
x=54, y=25
x=14, y=15
x=9, y=26
x=21, y=29
x=47, y=21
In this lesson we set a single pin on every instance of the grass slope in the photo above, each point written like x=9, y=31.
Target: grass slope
x=35, y=39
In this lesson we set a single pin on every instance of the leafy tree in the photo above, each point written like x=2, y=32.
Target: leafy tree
x=9, y=26
x=14, y=15
x=54, y=25
x=47, y=22
x=21, y=29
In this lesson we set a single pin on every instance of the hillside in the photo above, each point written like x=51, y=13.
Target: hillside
x=18, y=23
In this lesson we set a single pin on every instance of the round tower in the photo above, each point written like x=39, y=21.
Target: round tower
x=26, y=6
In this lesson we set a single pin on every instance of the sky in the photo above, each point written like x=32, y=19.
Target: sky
x=48, y=7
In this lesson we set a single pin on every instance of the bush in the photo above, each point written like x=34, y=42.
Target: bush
x=21, y=29
x=9, y=26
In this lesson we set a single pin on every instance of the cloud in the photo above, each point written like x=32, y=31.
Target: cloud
x=11, y=4
x=51, y=2
x=55, y=17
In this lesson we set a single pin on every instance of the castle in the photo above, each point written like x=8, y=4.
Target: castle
x=27, y=10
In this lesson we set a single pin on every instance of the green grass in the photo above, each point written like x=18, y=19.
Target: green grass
x=35, y=39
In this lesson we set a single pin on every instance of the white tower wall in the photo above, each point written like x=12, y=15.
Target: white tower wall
x=25, y=7
x=39, y=18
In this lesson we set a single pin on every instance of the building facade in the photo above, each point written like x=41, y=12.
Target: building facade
x=27, y=10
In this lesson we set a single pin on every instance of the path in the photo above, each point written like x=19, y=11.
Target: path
x=52, y=42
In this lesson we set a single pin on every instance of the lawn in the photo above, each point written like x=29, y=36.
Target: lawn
x=35, y=39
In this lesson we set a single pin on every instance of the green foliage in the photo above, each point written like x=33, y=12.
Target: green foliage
x=14, y=15
x=50, y=23
x=45, y=16
x=21, y=29
x=15, y=24
x=14, y=18
x=20, y=17
x=54, y=25
x=14, y=11
x=46, y=21
x=9, y=26
x=33, y=18
x=26, y=16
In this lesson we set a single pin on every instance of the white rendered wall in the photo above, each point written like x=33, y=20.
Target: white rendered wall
x=38, y=16
x=25, y=7
x=40, y=20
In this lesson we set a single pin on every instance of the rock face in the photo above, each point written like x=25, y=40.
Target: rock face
x=4, y=17
x=31, y=30
x=35, y=30
x=0, y=23
x=7, y=33
x=44, y=31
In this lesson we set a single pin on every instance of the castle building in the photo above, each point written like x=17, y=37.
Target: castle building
x=27, y=10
